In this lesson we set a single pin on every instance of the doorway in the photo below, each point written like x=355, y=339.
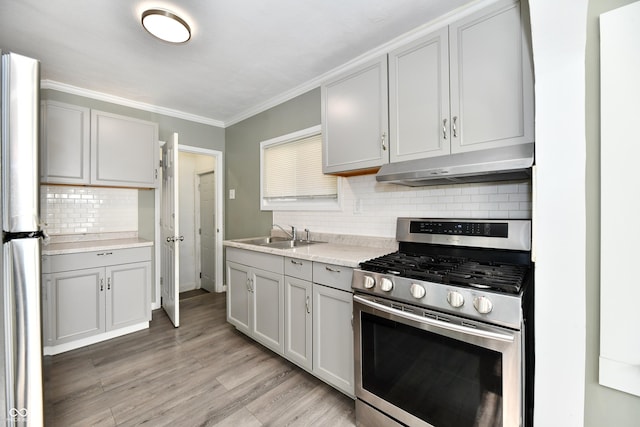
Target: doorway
x=198, y=161
x=191, y=167
x=205, y=223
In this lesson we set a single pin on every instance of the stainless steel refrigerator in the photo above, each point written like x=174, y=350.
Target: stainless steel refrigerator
x=21, y=382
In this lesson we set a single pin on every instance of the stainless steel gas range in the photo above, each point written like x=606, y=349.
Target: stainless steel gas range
x=443, y=327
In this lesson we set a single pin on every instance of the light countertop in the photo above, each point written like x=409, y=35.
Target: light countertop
x=348, y=255
x=61, y=248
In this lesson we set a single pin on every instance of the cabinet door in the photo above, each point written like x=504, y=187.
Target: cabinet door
x=238, y=296
x=355, y=119
x=47, y=311
x=124, y=151
x=491, y=79
x=64, y=145
x=77, y=301
x=128, y=289
x=333, y=337
x=267, y=322
x=297, y=321
x=419, y=123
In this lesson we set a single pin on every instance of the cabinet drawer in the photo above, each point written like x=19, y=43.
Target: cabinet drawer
x=300, y=268
x=261, y=260
x=76, y=261
x=336, y=276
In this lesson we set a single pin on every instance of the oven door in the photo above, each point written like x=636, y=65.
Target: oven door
x=424, y=368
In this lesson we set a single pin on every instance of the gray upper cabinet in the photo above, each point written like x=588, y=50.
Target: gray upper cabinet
x=355, y=119
x=88, y=147
x=491, y=79
x=419, y=98
x=465, y=87
x=65, y=143
x=124, y=151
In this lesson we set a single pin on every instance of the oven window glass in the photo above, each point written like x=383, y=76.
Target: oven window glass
x=440, y=380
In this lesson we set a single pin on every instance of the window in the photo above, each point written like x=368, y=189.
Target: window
x=291, y=175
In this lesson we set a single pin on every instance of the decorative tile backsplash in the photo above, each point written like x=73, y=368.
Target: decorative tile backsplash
x=370, y=208
x=82, y=210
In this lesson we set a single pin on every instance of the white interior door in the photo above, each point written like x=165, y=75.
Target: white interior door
x=170, y=231
x=207, y=231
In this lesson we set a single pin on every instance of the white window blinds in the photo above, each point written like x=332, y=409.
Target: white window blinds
x=293, y=170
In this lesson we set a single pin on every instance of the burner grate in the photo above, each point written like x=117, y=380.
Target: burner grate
x=454, y=270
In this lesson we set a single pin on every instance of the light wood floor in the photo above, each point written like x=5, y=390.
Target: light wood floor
x=203, y=373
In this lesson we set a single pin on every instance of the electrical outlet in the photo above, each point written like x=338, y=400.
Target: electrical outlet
x=232, y=193
x=357, y=206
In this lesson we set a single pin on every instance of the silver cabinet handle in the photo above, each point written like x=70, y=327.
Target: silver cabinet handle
x=169, y=239
x=174, y=238
x=105, y=253
x=384, y=136
x=109, y=283
x=248, y=285
x=293, y=261
x=332, y=270
x=101, y=285
x=444, y=128
x=455, y=130
x=181, y=238
x=307, y=305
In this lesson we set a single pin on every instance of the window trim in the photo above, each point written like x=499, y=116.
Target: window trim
x=311, y=204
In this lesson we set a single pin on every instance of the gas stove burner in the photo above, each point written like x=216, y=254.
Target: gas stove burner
x=476, y=269
x=454, y=270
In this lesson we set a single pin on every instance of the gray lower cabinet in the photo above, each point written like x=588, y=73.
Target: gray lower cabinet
x=81, y=303
x=333, y=326
x=298, y=308
x=298, y=302
x=76, y=303
x=255, y=296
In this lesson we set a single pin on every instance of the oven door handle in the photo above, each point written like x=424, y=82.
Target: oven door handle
x=433, y=322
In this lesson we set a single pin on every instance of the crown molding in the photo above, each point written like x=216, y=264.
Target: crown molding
x=383, y=49
x=74, y=90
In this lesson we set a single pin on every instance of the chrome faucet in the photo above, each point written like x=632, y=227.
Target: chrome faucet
x=293, y=234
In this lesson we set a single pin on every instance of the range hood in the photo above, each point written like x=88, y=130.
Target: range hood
x=495, y=164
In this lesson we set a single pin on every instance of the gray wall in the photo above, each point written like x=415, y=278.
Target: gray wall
x=243, y=217
x=603, y=406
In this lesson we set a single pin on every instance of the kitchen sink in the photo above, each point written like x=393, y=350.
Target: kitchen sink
x=279, y=242
x=290, y=244
x=266, y=240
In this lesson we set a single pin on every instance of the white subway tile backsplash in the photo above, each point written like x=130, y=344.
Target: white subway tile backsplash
x=82, y=210
x=371, y=209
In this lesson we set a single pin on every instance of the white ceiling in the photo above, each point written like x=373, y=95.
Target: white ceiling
x=242, y=54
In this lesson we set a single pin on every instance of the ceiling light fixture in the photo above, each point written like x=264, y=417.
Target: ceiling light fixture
x=166, y=26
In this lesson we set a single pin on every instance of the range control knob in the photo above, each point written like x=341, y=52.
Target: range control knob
x=483, y=305
x=386, y=285
x=455, y=299
x=369, y=282
x=417, y=291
